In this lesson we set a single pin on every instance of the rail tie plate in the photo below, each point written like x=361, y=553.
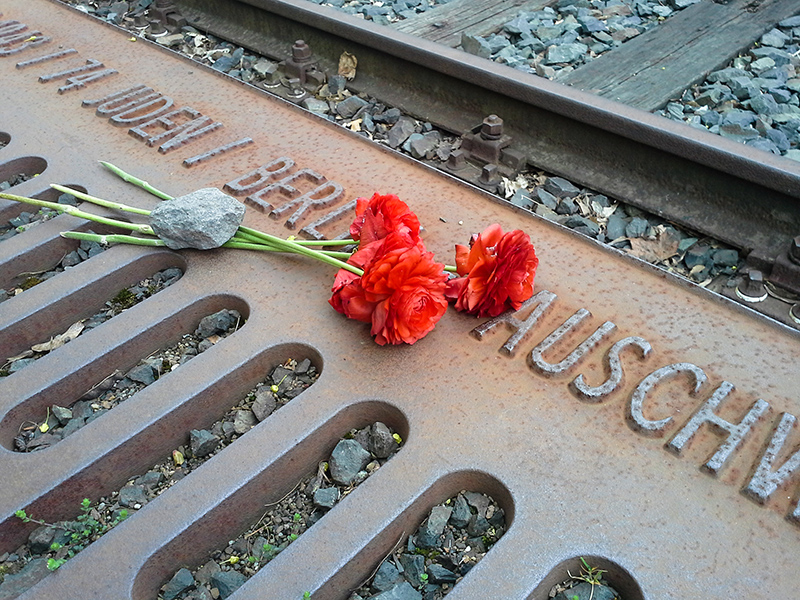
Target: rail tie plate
x=602, y=416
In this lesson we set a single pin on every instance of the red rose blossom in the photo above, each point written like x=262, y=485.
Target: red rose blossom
x=401, y=292
x=496, y=272
x=380, y=215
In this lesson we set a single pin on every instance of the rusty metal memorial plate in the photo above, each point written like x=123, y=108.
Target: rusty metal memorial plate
x=622, y=414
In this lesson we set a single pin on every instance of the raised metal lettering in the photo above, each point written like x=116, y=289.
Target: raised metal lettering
x=312, y=229
x=522, y=329
x=577, y=355
x=134, y=116
x=616, y=375
x=285, y=187
x=26, y=40
x=126, y=102
x=323, y=196
x=215, y=152
x=46, y=58
x=765, y=481
x=253, y=180
x=635, y=415
x=80, y=81
x=188, y=133
x=126, y=93
x=705, y=414
x=91, y=65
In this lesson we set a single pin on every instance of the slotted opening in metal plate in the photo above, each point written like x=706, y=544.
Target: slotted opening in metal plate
x=661, y=448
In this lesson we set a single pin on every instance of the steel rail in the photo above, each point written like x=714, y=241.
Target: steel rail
x=742, y=196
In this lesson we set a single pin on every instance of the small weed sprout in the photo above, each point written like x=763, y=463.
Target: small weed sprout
x=82, y=532
x=306, y=595
x=423, y=578
x=591, y=575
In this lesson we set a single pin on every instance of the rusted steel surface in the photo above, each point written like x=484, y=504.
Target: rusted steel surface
x=645, y=475
x=719, y=187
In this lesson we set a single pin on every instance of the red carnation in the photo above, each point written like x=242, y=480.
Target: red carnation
x=401, y=292
x=496, y=272
x=380, y=215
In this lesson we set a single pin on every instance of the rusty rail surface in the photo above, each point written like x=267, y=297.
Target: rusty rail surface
x=629, y=445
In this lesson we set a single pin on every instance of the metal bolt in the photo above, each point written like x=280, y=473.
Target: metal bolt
x=794, y=313
x=752, y=288
x=156, y=27
x=794, y=250
x=457, y=160
x=492, y=128
x=301, y=52
x=488, y=174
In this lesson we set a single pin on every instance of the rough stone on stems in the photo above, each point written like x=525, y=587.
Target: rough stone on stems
x=203, y=219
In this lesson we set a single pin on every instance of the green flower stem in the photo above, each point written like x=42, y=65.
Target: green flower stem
x=100, y=201
x=451, y=269
x=112, y=238
x=135, y=181
x=137, y=241
x=75, y=212
x=324, y=242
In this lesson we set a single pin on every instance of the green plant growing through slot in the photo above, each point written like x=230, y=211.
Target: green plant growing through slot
x=591, y=575
x=82, y=532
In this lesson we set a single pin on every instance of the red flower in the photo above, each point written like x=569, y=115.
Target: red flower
x=401, y=292
x=380, y=215
x=497, y=272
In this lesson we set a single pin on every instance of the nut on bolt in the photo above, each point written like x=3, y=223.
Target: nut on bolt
x=301, y=52
x=752, y=288
x=794, y=250
x=492, y=128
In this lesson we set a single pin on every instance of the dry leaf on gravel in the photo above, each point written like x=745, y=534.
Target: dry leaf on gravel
x=664, y=246
x=61, y=339
x=347, y=65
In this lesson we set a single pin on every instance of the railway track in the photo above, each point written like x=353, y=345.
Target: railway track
x=670, y=479
x=699, y=181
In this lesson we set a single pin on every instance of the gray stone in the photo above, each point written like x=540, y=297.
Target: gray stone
x=380, y=441
x=180, y=582
x=781, y=96
x=761, y=65
x=478, y=501
x=206, y=572
x=726, y=75
x=391, y=116
x=790, y=22
x=386, y=577
x=615, y=228
x=725, y=257
x=72, y=426
x=265, y=68
x=566, y=53
x=401, y=130
x=219, y=322
x=587, y=226
x=202, y=442
x=679, y=4
x=586, y=591
x=675, y=110
x=203, y=219
x=566, y=206
x=315, y=105
x=764, y=104
x=150, y=479
x=775, y=38
x=697, y=255
x=347, y=459
x=244, y=421
x=764, y=145
x=62, y=414
x=143, y=373
x=636, y=228
x=33, y=572
x=560, y=187
x=227, y=582
x=461, y=512
x=348, y=107
x=474, y=44
x=477, y=526
x=743, y=88
x=71, y=259
x=40, y=539
x=497, y=43
x=265, y=404
x=438, y=574
x=131, y=495
x=777, y=137
x=737, y=132
x=738, y=117
x=413, y=567
x=522, y=198
x=402, y=591
x=228, y=61
x=428, y=534
x=326, y=497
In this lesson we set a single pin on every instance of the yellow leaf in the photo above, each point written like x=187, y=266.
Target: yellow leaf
x=397, y=438
x=177, y=457
x=44, y=427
